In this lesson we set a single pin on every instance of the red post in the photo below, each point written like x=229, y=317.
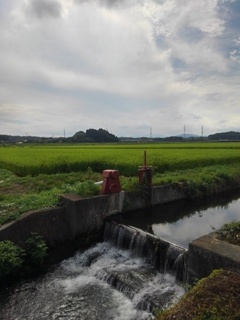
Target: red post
x=145, y=173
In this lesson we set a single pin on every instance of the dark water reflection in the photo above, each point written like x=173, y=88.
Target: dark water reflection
x=183, y=221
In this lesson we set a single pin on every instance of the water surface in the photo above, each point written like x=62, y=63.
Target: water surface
x=183, y=221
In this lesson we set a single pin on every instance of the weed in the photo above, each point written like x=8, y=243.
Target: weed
x=16, y=261
x=36, y=250
x=230, y=232
x=87, y=189
x=11, y=259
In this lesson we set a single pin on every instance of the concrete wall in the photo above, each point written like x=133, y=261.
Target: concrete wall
x=207, y=253
x=164, y=194
x=76, y=217
x=79, y=216
x=87, y=215
x=52, y=224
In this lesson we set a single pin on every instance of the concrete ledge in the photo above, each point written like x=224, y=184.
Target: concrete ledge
x=86, y=215
x=208, y=253
x=164, y=194
x=52, y=224
x=133, y=200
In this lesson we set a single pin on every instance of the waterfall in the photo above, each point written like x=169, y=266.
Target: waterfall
x=117, y=279
x=103, y=283
x=163, y=255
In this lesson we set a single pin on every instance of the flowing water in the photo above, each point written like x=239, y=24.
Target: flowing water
x=127, y=276
x=105, y=282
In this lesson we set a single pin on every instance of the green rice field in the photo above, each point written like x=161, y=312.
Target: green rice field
x=32, y=177
x=49, y=159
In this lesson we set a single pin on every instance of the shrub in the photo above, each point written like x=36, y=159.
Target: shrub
x=230, y=232
x=11, y=259
x=36, y=250
x=87, y=188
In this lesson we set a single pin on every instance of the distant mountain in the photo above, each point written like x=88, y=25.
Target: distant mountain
x=188, y=135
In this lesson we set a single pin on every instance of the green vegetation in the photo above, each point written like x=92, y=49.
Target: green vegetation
x=230, y=232
x=16, y=261
x=35, y=250
x=91, y=136
x=33, y=176
x=22, y=194
x=47, y=159
x=11, y=258
x=213, y=298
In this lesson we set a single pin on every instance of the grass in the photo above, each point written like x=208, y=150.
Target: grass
x=230, y=232
x=21, y=194
x=213, y=298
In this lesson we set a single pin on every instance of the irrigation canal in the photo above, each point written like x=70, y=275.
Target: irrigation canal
x=183, y=221
x=107, y=282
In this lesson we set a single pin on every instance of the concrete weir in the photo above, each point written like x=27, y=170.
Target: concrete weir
x=208, y=253
x=163, y=255
x=78, y=219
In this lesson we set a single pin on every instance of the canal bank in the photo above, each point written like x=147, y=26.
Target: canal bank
x=77, y=216
x=80, y=221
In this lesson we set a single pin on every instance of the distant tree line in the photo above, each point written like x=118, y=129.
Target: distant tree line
x=101, y=135
x=91, y=135
x=225, y=136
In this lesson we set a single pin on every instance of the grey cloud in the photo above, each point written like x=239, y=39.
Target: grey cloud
x=191, y=34
x=108, y=3
x=114, y=60
x=45, y=8
x=112, y=3
x=195, y=116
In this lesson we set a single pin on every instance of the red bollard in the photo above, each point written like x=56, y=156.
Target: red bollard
x=111, y=183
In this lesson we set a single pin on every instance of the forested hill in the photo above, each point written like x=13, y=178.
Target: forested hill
x=225, y=136
x=91, y=135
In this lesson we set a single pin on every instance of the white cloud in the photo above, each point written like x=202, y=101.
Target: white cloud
x=136, y=64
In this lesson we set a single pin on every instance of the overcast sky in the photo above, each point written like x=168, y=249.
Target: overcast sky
x=133, y=67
